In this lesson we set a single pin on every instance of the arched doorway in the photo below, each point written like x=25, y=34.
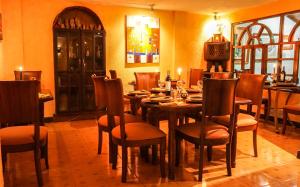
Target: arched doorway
x=79, y=52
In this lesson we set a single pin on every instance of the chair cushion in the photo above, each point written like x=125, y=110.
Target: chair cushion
x=129, y=118
x=244, y=121
x=216, y=134
x=18, y=135
x=138, y=132
x=292, y=107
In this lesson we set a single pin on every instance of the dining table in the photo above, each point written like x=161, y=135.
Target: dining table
x=44, y=96
x=287, y=89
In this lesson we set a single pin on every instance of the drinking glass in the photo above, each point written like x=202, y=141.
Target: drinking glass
x=200, y=84
x=160, y=84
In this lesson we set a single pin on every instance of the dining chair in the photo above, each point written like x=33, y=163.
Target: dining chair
x=113, y=74
x=101, y=107
x=195, y=75
x=28, y=75
x=146, y=80
x=250, y=86
x=130, y=134
x=19, y=104
x=221, y=75
x=291, y=110
x=207, y=132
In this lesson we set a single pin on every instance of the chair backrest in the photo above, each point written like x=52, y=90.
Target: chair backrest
x=250, y=87
x=113, y=74
x=100, y=92
x=195, y=75
x=221, y=75
x=146, y=80
x=218, y=96
x=19, y=102
x=115, y=103
x=28, y=75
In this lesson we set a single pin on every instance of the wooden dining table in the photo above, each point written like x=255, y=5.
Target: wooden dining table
x=44, y=96
x=174, y=111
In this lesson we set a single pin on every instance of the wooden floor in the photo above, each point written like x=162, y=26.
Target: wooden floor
x=74, y=161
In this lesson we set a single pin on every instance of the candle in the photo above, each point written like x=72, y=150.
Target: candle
x=274, y=69
x=21, y=69
x=179, y=71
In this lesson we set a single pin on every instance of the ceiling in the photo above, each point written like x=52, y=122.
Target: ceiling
x=196, y=6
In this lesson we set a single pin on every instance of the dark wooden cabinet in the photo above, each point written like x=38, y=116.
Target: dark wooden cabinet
x=79, y=52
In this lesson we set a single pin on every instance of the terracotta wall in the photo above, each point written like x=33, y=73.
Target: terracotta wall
x=276, y=7
x=28, y=39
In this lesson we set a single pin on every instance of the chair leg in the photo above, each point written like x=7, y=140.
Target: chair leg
x=45, y=153
x=110, y=147
x=163, y=158
x=4, y=159
x=177, y=156
x=114, y=156
x=228, y=158
x=124, y=163
x=99, y=140
x=38, y=170
x=209, y=153
x=284, y=121
x=201, y=162
x=255, y=142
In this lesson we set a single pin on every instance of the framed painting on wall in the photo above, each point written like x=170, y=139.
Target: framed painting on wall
x=142, y=41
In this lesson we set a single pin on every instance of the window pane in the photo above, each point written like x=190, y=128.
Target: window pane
x=238, y=29
x=290, y=21
x=288, y=51
x=272, y=51
x=271, y=65
x=247, y=58
x=237, y=65
x=274, y=25
x=237, y=53
x=288, y=64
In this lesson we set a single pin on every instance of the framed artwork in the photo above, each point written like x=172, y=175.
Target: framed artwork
x=142, y=41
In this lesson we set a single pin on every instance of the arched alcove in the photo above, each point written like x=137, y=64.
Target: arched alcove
x=79, y=52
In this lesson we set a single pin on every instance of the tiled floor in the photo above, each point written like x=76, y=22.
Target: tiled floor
x=74, y=162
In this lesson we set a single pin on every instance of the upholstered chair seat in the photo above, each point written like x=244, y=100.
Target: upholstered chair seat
x=102, y=121
x=215, y=134
x=292, y=107
x=21, y=135
x=244, y=121
x=138, y=132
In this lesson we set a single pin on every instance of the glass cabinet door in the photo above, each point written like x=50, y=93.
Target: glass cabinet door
x=99, y=51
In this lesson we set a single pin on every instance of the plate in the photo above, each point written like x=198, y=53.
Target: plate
x=194, y=99
x=139, y=92
x=161, y=99
x=191, y=90
x=157, y=90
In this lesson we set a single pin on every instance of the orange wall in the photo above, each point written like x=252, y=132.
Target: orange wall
x=28, y=39
x=279, y=6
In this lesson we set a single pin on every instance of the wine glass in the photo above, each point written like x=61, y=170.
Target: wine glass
x=200, y=84
x=160, y=84
x=179, y=85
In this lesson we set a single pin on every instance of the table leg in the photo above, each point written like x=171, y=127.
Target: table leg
x=276, y=112
x=41, y=108
x=133, y=106
x=171, y=151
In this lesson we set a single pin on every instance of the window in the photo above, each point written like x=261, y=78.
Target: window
x=266, y=45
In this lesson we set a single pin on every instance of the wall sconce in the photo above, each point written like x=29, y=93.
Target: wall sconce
x=219, y=25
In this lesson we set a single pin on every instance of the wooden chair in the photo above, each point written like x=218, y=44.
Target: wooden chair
x=113, y=74
x=19, y=103
x=250, y=87
x=28, y=75
x=146, y=80
x=292, y=106
x=131, y=134
x=195, y=75
x=221, y=75
x=101, y=106
x=207, y=132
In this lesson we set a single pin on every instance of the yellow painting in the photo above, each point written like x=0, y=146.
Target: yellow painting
x=142, y=40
